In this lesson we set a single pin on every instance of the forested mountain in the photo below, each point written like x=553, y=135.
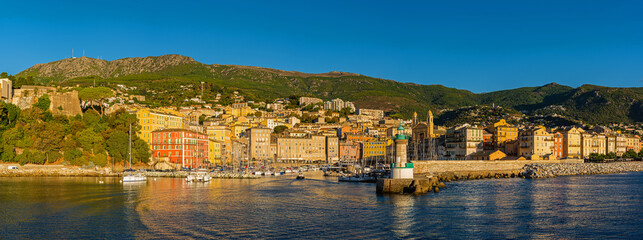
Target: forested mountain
x=170, y=74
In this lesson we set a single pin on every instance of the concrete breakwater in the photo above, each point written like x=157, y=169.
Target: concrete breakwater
x=547, y=170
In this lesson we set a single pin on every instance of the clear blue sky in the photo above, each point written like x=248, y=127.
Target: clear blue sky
x=476, y=45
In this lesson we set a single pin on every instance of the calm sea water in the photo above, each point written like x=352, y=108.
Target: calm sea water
x=597, y=207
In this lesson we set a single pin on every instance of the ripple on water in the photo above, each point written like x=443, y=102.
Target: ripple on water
x=282, y=208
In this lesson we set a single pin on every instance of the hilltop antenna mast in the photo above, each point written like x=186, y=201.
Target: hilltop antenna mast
x=72, y=53
x=83, y=52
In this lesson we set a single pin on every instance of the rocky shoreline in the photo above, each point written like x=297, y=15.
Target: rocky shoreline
x=79, y=172
x=548, y=170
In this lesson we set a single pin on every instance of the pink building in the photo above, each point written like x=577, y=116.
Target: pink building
x=349, y=150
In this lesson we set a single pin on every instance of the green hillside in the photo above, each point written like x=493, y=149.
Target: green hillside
x=177, y=77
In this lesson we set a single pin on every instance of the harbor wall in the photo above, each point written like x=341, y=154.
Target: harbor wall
x=440, y=166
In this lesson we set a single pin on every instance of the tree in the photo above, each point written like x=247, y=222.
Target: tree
x=9, y=114
x=4, y=75
x=43, y=102
x=90, y=141
x=630, y=154
x=140, y=151
x=345, y=112
x=96, y=94
x=47, y=136
x=279, y=129
x=596, y=156
x=396, y=116
x=610, y=155
x=117, y=145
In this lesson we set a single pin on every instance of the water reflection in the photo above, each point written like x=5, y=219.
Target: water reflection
x=281, y=207
x=403, y=215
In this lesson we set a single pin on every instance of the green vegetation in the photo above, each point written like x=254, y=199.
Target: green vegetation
x=629, y=154
x=279, y=129
x=480, y=115
x=95, y=94
x=169, y=80
x=36, y=136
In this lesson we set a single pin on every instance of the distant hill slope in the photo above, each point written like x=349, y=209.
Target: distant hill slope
x=167, y=73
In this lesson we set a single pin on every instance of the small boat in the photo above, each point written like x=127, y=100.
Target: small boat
x=198, y=177
x=259, y=173
x=357, y=178
x=134, y=177
x=267, y=173
x=300, y=176
x=276, y=173
x=288, y=171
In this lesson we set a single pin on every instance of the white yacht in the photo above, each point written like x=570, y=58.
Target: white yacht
x=198, y=177
x=132, y=176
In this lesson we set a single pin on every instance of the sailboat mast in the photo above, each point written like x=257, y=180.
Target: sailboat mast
x=130, y=146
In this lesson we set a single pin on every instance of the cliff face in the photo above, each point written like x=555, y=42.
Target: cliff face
x=82, y=67
x=66, y=103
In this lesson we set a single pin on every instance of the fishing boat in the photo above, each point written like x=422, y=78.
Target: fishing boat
x=300, y=176
x=132, y=176
x=357, y=178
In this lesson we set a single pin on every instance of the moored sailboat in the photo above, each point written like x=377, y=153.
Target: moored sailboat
x=132, y=177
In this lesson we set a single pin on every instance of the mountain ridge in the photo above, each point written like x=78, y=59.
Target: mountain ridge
x=366, y=92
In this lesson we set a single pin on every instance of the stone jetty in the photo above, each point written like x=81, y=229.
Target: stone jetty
x=409, y=186
x=548, y=170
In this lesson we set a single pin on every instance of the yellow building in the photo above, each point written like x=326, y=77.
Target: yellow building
x=214, y=152
x=310, y=149
x=592, y=143
x=239, y=110
x=157, y=119
x=259, y=144
x=239, y=129
x=621, y=144
x=536, y=143
x=223, y=135
x=502, y=133
x=373, y=150
x=572, y=143
x=633, y=143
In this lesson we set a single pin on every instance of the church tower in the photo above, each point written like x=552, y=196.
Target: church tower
x=415, y=118
x=429, y=123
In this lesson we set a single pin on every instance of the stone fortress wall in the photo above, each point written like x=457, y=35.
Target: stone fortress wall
x=65, y=103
